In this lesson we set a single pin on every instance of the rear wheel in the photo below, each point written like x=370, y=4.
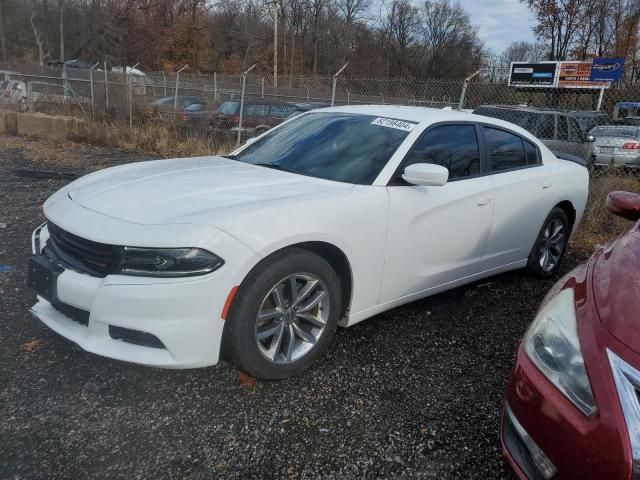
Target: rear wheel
x=551, y=244
x=284, y=315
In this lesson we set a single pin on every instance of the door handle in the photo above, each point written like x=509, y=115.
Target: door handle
x=483, y=201
x=546, y=185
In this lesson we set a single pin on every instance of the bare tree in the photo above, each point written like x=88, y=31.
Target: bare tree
x=37, y=35
x=3, y=40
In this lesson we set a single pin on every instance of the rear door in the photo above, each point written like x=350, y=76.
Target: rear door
x=521, y=186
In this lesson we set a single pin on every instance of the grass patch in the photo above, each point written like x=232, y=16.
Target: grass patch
x=598, y=225
x=155, y=139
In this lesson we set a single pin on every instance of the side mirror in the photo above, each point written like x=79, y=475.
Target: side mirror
x=624, y=204
x=426, y=174
x=589, y=138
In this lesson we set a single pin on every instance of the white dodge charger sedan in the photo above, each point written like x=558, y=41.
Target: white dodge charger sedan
x=328, y=219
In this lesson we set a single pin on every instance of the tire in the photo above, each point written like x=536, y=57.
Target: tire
x=267, y=290
x=261, y=130
x=544, y=242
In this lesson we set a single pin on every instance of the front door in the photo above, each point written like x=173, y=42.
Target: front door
x=437, y=235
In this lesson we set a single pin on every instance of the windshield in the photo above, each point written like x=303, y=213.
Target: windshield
x=614, y=132
x=228, y=108
x=343, y=147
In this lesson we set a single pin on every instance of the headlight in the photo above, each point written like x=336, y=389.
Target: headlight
x=552, y=345
x=166, y=262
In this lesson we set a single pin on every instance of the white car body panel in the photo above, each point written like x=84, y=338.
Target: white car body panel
x=401, y=242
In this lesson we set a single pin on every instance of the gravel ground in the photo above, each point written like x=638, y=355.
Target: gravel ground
x=415, y=392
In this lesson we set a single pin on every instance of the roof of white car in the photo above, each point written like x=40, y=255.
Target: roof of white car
x=426, y=115
x=410, y=114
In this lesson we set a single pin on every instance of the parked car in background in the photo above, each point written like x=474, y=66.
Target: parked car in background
x=588, y=120
x=624, y=112
x=197, y=116
x=572, y=406
x=616, y=145
x=79, y=64
x=560, y=131
x=164, y=106
x=306, y=107
x=258, y=116
x=330, y=218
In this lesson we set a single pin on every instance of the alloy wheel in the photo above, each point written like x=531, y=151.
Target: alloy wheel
x=552, y=245
x=292, y=318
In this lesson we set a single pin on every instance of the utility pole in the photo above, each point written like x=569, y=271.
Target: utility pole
x=275, y=45
x=61, y=27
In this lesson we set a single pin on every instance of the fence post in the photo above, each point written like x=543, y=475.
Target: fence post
x=131, y=104
x=215, y=86
x=175, y=96
x=164, y=82
x=93, y=98
x=600, y=98
x=106, y=89
x=464, y=89
x=244, y=81
x=335, y=81
x=262, y=83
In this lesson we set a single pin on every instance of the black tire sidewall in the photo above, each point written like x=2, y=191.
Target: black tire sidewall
x=533, y=264
x=239, y=344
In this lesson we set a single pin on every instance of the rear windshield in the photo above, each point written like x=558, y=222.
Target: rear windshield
x=614, y=132
x=228, y=108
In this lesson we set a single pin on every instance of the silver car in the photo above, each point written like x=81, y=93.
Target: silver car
x=616, y=146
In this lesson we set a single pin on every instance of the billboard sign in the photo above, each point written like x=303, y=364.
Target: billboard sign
x=607, y=69
x=536, y=75
x=577, y=75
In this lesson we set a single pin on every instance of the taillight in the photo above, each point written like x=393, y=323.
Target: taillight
x=631, y=146
x=185, y=117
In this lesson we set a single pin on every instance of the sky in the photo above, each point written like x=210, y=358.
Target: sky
x=500, y=22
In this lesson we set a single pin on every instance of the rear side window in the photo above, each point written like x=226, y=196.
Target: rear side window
x=563, y=129
x=545, y=127
x=531, y=152
x=575, y=132
x=281, y=111
x=257, y=110
x=505, y=150
x=454, y=147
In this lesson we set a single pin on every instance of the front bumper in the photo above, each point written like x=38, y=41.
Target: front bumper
x=169, y=323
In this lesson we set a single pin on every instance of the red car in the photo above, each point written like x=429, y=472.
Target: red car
x=572, y=407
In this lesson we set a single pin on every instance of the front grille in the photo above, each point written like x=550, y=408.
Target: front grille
x=73, y=313
x=78, y=253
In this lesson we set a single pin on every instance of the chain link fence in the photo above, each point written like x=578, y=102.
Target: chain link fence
x=599, y=126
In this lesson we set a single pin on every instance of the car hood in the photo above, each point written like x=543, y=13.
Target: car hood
x=192, y=190
x=616, y=286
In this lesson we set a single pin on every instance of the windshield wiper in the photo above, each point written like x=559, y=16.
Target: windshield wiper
x=230, y=157
x=275, y=166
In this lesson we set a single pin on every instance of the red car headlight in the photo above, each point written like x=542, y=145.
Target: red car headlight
x=552, y=344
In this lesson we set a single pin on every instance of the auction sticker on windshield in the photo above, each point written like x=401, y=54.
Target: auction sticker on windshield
x=391, y=123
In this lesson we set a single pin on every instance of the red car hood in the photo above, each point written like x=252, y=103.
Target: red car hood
x=616, y=285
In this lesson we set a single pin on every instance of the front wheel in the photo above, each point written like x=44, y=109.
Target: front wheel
x=551, y=244
x=284, y=314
